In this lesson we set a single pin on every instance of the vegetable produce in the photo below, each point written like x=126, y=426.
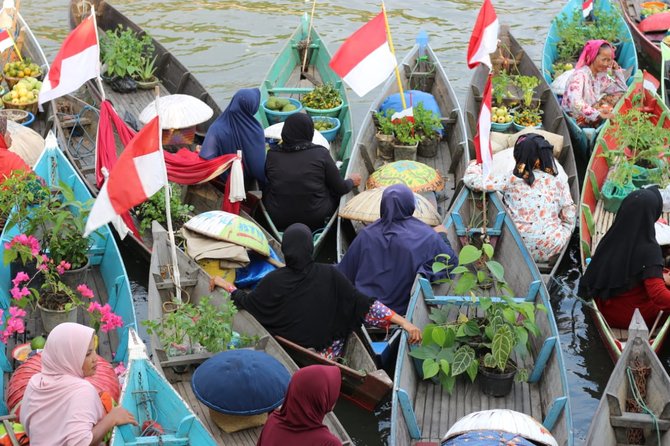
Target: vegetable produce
x=22, y=68
x=323, y=97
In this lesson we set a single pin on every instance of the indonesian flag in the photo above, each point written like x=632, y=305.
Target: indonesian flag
x=77, y=61
x=137, y=175
x=650, y=82
x=482, y=138
x=587, y=8
x=6, y=40
x=365, y=60
x=484, y=39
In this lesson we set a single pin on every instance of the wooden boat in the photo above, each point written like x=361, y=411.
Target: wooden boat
x=150, y=398
x=595, y=221
x=422, y=411
x=195, y=284
x=553, y=120
x=583, y=139
x=287, y=78
x=109, y=280
x=647, y=42
x=665, y=73
x=637, y=371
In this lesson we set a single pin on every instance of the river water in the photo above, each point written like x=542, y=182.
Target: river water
x=230, y=45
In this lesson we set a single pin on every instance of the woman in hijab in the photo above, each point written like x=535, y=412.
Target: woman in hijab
x=303, y=182
x=59, y=405
x=626, y=271
x=311, y=394
x=385, y=257
x=237, y=129
x=595, y=86
x=309, y=303
x=537, y=198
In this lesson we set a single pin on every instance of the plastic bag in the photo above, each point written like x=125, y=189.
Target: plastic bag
x=122, y=84
x=561, y=82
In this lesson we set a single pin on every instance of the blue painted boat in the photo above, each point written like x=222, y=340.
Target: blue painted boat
x=150, y=397
x=583, y=139
x=109, y=273
x=422, y=411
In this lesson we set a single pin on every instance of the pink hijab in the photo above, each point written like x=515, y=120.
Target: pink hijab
x=590, y=52
x=60, y=406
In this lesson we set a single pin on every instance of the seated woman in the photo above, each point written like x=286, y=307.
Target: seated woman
x=59, y=405
x=626, y=271
x=303, y=183
x=596, y=85
x=312, y=304
x=237, y=129
x=538, y=200
x=311, y=394
x=385, y=257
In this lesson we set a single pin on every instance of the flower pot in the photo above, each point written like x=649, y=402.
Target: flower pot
x=75, y=277
x=494, y=383
x=428, y=147
x=613, y=195
x=645, y=175
x=148, y=84
x=384, y=146
x=51, y=318
x=402, y=152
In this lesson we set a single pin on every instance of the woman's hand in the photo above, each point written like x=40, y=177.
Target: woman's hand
x=666, y=276
x=220, y=282
x=606, y=112
x=356, y=178
x=412, y=331
x=120, y=416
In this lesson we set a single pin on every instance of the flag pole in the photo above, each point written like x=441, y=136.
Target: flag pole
x=397, y=72
x=98, y=79
x=168, y=213
x=309, y=33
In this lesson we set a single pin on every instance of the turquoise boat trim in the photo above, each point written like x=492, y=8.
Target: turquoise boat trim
x=533, y=289
x=426, y=287
x=185, y=426
x=557, y=406
x=445, y=300
x=297, y=90
x=542, y=359
x=408, y=413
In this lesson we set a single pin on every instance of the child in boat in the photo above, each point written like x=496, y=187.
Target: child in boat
x=595, y=86
x=59, y=405
x=237, y=129
x=312, y=304
x=311, y=394
x=303, y=182
x=386, y=256
x=626, y=271
x=538, y=199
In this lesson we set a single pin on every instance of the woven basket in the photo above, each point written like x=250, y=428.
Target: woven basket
x=184, y=136
x=28, y=106
x=11, y=81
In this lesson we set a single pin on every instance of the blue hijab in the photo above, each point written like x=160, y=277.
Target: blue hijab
x=385, y=257
x=237, y=129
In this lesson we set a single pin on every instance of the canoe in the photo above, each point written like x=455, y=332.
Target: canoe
x=286, y=78
x=614, y=421
x=422, y=411
x=195, y=284
x=584, y=139
x=107, y=277
x=647, y=42
x=150, y=398
x=595, y=221
x=553, y=121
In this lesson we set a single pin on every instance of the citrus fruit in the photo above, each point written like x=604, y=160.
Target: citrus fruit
x=38, y=342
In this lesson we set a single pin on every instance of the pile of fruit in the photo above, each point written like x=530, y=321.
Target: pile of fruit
x=22, y=68
x=528, y=118
x=323, y=124
x=652, y=9
x=323, y=97
x=24, y=91
x=280, y=104
x=560, y=68
x=500, y=115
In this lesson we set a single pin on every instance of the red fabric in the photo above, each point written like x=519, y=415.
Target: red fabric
x=655, y=23
x=650, y=297
x=9, y=162
x=186, y=167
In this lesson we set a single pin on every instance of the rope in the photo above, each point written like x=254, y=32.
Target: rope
x=641, y=403
x=84, y=145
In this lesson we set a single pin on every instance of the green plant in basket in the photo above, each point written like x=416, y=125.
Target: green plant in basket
x=122, y=52
x=322, y=97
x=403, y=129
x=500, y=87
x=383, y=122
x=427, y=123
x=527, y=85
x=154, y=209
x=147, y=70
x=528, y=117
x=573, y=31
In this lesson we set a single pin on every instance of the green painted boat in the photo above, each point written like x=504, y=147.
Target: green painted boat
x=287, y=79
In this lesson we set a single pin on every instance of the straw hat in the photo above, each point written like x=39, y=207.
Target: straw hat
x=228, y=227
x=365, y=207
x=417, y=176
x=178, y=111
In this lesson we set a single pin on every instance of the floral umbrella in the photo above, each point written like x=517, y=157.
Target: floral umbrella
x=365, y=207
x=417, y=176
x=232, y=228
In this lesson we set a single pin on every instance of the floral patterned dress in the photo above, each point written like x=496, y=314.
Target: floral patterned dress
x=544, y=213
x=584, y=90
x=379, y=316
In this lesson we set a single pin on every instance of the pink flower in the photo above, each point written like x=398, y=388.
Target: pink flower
x=85, y=291
x=93, y=306
x=15, y=323
x=21, y=276
x=19, y=293
x=62, y=267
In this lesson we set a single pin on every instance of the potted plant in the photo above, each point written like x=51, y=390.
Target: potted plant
x=323, y=100
x=145, y=76
x=385, y=134
x=573, y=32
x=428, y=126
x=154, y=209
x=406, y=139
x=122, y=54
x=483, y=345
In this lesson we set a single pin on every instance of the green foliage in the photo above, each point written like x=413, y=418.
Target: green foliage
x=425, y=124
x=21, y=191
x=500, y=87
x=123, y=53
x=403, y=129
x=384, y=123
x=527, y=85
x=154, y=209
x=148, y=68
x=573, y=32
x=323, y=97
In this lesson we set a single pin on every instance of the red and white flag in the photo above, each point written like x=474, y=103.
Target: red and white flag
x=77, y=61
x=6, y=40
x=587, y=8
x=650, y=82
x=365, y=59
x=483, y=136
x=137, y=175
x=484, y=39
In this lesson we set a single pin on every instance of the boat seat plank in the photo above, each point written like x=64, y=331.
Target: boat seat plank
x=638, y=420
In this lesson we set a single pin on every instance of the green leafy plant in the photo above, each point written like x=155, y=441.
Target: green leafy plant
x=323, y=97
x=427, y=123
x=383, y=122
x=403, y=129
x=122, y=52
x=527, y=85
x=528, y=117
x=147, y=70
x=500, y=87
x=452, y=347
x=154, y=209
x=573, y=31
x=20, y=192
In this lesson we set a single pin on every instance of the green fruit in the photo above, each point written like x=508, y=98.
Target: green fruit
x=289, y=107
x=282, y=102
x=37, y=343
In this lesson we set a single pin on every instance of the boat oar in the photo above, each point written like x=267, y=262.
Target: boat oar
x=309, y=33
x=653, y=327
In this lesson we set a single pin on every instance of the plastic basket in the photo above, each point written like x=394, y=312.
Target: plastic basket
x=330, y=134
x=328, y=112
x=275, y=116
x=613, y=195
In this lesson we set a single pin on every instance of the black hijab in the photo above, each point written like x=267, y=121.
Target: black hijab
x=629, y=252
x=309, y=303
x=297, y=133
x=532, y=151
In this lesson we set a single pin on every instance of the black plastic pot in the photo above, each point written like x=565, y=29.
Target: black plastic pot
x=494, y=383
